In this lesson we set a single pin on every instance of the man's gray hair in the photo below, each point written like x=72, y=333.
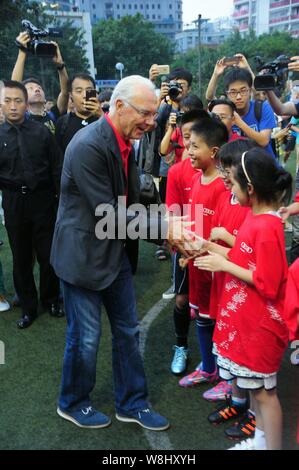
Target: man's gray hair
x=126, y=88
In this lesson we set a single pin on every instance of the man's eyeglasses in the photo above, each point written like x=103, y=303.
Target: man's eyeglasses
x=142, y=112
x=235, y=93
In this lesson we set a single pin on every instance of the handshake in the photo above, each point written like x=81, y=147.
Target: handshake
x=186, y=241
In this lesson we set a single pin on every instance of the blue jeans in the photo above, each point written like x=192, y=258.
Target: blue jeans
x=83, y=313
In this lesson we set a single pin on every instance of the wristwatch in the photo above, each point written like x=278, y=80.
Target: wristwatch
x=60, y=66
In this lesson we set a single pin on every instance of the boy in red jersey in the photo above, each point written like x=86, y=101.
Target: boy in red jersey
x=179, y=185
x=206, y=139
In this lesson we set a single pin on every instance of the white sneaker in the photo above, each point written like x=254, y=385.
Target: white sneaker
x=248, y=444
x=169, y=294
x=4, y=305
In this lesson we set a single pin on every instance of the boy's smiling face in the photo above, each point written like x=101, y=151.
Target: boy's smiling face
x=201, y=155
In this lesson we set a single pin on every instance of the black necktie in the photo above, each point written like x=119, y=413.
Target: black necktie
x=28, y=170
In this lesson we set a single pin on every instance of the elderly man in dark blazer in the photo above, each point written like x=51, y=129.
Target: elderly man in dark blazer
x=99, y=167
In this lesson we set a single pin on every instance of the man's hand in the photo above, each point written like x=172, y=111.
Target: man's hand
x=220, y=67
x=93, y=105
x=294, y=66
x=57, y=59
x=243, y=63
x=153, y=73
x=177, y=235
x=237, y=120
x=172, y=119
x=164, y=90
x=23, y=39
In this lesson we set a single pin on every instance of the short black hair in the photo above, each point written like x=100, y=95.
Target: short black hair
x=230, y=153
x=191, y=102
x=15, y=84
x=237, y=74
x=105, y=96
x=181, y=73
x=32, y=80
x=213, y=132
x=271, y=183
x=194, y=115
x=222, y=101
x=83, y=76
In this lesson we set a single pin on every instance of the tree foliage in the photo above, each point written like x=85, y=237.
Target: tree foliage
x=267, y=46
x=131, y=41
x=71, y=44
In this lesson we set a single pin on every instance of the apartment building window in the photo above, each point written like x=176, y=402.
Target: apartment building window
x=124, y=6
x=117, y=6
x=153, y=17
x=141, y=6
x=147, y=17
x=130, y=6
x=158, y=6
x=93, y=6
x=170, y=6
x=153, y=6
x=135, y=6
x=147, y=6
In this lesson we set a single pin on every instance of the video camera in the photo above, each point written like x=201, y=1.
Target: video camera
x=37, y=46
x=275, y=76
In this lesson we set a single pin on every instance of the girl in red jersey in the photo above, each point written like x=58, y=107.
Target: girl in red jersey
x=250, y=336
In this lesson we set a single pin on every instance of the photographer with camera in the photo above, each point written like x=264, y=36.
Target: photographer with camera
x=238, y=60
x=36, y=94
x=87, y=109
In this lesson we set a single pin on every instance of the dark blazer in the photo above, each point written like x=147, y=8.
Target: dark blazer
x=92, y=174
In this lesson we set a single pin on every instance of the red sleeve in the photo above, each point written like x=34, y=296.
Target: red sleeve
x=291, y=306
x=173, y=196
x=297, y=197
x=270, y=263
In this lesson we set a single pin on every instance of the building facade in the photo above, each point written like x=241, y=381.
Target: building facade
x=166, y=15
x=213, y=33
x=267, y=16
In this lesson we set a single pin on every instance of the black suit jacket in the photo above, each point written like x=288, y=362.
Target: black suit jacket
x=92, y=174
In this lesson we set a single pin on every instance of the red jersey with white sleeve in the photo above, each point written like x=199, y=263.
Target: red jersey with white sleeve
x=179, y=185
x=203, y=200
x=291, y=305
x=229, y=215
x=250, y=329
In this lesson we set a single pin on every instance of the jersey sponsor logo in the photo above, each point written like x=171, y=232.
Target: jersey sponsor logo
x=207, y=211
x=246, y=249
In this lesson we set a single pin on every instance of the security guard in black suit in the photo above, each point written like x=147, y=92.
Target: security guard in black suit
x=30, y=168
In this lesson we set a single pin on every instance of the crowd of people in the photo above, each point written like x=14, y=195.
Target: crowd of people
x=220, y=173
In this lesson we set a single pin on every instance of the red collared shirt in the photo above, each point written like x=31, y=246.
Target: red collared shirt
x=124, y=146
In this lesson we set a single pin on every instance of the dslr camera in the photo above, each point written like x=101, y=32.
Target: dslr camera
x=37, y=46
x=175, y=88
x=275, y=74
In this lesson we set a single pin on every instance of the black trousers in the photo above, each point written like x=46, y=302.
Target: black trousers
x=29, y=221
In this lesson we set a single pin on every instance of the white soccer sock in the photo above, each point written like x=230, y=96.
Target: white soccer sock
x=259, y=439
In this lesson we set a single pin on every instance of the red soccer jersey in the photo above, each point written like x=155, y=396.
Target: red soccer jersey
x=177, y=138
x=179, y=184
x=291, y=305
x=204, y=198
x=230, y=215
x=297, y=197
x=250, y=329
